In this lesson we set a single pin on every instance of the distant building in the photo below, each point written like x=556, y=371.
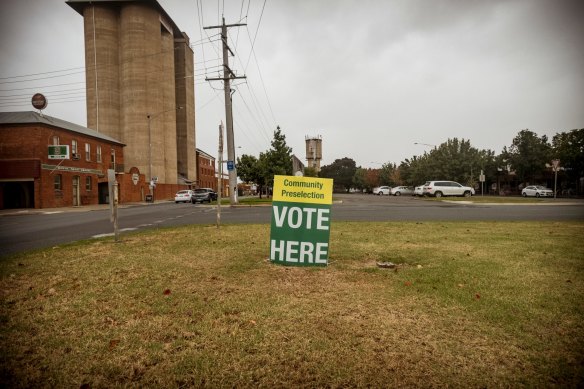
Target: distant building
x=314, y=152
x=30, y=178
x=297, y=165
x=208, y=175
x=140, y=87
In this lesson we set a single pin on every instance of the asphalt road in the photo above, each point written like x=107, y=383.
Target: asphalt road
x=21, y=231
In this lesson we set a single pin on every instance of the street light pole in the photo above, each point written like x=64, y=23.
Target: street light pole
x=150, y=117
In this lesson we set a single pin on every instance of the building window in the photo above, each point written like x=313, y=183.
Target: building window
x=58, y=183
x=88, y=183
x=55, y=140
x=87, y=152
x=74, y=146
x=98, y=151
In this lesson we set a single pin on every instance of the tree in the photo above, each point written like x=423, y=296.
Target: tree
x=278, y=160
x=528, y=155
x=568, y=147
x=341, y=171
x=387, y=174
x=371, y=179
x=247, y=168
x=360, y=178
x=310, y=172
x=252, y=170
x=454, y=160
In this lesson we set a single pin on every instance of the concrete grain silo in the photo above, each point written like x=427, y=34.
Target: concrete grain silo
x=139, y=90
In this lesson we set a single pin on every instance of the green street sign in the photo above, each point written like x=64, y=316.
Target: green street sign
x=301, y=219
x=59, y=152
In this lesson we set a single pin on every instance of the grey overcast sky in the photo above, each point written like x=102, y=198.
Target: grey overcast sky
x=371, y=77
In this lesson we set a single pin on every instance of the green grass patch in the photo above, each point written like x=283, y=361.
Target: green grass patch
x=469, y=304
x=247, y=200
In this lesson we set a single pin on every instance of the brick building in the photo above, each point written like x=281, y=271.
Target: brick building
x=208, y=175
x=30, y=179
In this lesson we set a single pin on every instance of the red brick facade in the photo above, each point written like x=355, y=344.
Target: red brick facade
x=207, y=176
x=29, y=179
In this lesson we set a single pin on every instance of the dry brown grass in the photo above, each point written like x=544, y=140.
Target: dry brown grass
x=470, y=305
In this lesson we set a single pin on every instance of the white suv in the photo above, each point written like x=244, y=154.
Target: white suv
x=446, y=188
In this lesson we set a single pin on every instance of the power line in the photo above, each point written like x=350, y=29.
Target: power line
x=256, y=35
x=43, y=78
x=39, y=74
x=44, y=86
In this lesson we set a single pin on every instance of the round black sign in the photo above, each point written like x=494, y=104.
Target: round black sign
x=39, y=101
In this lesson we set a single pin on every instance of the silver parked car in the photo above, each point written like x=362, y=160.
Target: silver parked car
x=446, y=188
x=402, y=190
x=183, y=196
x=381, y=190
x=537, y=191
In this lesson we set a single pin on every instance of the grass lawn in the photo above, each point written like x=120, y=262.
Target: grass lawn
x=470, y=304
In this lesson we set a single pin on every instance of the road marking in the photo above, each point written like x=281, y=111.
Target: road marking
x=51, y=212
x=102, y=235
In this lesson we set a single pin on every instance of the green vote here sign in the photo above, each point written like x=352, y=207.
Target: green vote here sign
x=301, y=219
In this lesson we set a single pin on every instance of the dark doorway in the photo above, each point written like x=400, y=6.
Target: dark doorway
x=18, y=194
x=103, y=193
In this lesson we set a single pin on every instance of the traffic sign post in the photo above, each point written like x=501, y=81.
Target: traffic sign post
x=556, y=166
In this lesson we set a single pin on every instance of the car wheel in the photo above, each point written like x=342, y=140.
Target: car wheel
x=438, y=194
x=467, y=194
x=537, y=195
x=397, y=193
x=524, y=194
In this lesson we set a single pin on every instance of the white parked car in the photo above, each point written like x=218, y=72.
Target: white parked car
x=381, y=190
x=183, y=196
x=402, y=190
x=537, y=191
x=446, y=188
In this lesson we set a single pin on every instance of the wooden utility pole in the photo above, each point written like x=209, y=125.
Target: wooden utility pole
x=220, y=179
x=228, y=75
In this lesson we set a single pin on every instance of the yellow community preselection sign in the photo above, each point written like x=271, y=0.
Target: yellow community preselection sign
x=303, y=190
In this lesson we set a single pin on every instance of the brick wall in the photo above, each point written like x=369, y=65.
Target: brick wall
x=22, y=143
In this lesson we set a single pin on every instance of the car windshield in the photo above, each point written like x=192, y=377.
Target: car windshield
x=183, y=192
x=201, y=190
x=540, y=187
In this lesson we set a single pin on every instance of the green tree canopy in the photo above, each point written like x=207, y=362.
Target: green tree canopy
x=528, y=155
x=278, y=159
x=568, y=147
x=310, y=172
x=341, y=171
x=454, y=160
x=360, y=178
